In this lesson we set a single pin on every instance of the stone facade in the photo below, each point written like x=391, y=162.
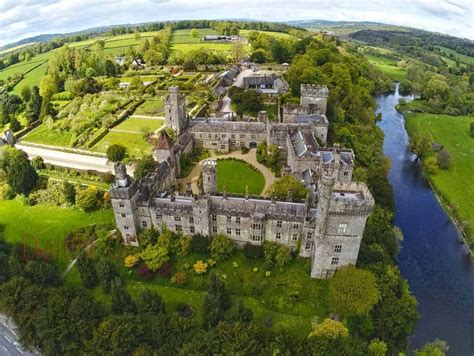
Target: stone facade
x=327, y=227
x=175, y=110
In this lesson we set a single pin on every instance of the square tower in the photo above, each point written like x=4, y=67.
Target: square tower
x=175, y=109
x=314, y=98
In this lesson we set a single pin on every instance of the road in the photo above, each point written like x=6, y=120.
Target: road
x=9, y=345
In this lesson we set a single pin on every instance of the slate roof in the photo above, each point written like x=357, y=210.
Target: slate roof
x=303, y=142
x=259, y=80
x=203, y=125
x=311, y=118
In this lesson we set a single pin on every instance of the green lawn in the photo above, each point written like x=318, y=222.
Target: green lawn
x=45, y=226
x=46, y=136
x=236, y=175
x=151, y=107
x=245, y=33
x=462, y=57
x=32, y=78
x=184, y=36
x=134, y=142
x=186, y=47
x=388, y=66
x=135, y=124
x=455, y=184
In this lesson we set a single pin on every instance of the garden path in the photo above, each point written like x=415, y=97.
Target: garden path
x=249, y=157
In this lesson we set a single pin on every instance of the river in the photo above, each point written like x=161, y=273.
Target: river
x=431, y=258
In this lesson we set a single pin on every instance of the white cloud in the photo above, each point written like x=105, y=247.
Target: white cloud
x=26, y=18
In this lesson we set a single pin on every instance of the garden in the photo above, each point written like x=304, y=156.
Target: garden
x=236, y=175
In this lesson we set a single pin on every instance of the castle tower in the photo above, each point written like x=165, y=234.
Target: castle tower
x=175, y=109
x=164, y=151
x=314, y=98
x=209, y=176
x=124, y=194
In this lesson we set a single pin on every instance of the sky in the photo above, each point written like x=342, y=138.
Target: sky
x=25, y=18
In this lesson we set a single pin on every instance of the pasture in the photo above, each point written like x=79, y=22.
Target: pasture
x=455, y=183
x=137, y=125
x=387, y=66
x=236, y=175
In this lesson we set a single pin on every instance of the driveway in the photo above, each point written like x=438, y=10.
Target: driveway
x=9, y=345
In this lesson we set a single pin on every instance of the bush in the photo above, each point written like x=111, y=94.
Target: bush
x=116, y=153
x=88, y=199
x=283, y=256
x=222, y=247
x=165, y=270
x=253, y=251
x=444, y=159
x=148, y=237
x=130, y=261
x=38, y=163
x=270, y=250
x=430, y=164
x=200, y=267
x=200, y=244
x=180, y=278
x=471, y=129
x=6, y=192
x=184, y=245
x=144, y=272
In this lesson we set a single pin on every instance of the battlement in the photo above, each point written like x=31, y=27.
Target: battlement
x=209, y=164
x=353, y=199
x=313, y=90
x=174, y=89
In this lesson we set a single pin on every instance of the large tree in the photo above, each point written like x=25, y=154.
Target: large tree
x=21, y=176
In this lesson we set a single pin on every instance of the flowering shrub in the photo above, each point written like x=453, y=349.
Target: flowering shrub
x=211, y=262
x=200, y=267
x=255, y=269
x=186, y=265
x=268, y=274
x=131, y=261
x=180, y=278
x=235, y=265
x=165, y=270
x=144, y=272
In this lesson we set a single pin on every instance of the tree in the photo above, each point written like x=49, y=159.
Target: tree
x=14, y=124
x=87, y=271
x=216, y=302
x=37, y=163
x=150, y=303
x=21, y=176
x=435, y=348
x=33, y=108
x=154, y=256
x=144, y=166
x=331, y=329
x=353, y=292
x=244, y=315
x=259, y=56
x=194, y=33
x=222, y=247
x=444, y=159
x=136, y=34
x=42, y=273
x=25, y=93
x=116, y=153
x=200, y=244
x=106, y=272
x=87, y=199
x=283, y=256
x=280, y=188
x=121, y=300
x=377, y=348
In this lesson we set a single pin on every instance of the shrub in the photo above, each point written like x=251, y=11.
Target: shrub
x=38, y=163
x=148, y=237
x=253, y=251
x=180, y=278
x=444, y=159
x=165, y=270
x=200, y=244
x=88, y=199
x=131, y=261
x=270, y=250
x=283, y=256
x=471, y=129
x=144, y=272
x=430, y=165
x=200, y=267
x=155, y=256
x=184, y=245
x=6, y=192
x=116, y=153
x=222, y=247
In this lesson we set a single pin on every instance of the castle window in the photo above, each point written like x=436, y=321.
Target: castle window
x=224, y=135
x=341, y=229
x=237, y=232
x=255, y=237
x=229, y=231
x=200, y=135
x=295, y=237
x=178, y=228
x=191, y=220
x=222, y=147
x=229, y=219
x=237, y=220
x=337, y=248
x=278, y=236
x=232, y=136
x=254, y=137
x=209, y=135
x=123, y=215
x=214, y=229
x=144, y=224
x=191, y=230
x=216, y=135
x=121, y=205
x=242, y=135
x=177, y=218
x=346, y=174
x=214, y=218
x=279, y=223
x=295, y=226
x=256, y=226
x=125, y=227
x=308, y=245
x=335, y=261
x=309, y=236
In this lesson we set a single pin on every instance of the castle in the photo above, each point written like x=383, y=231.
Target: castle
x=327, y=227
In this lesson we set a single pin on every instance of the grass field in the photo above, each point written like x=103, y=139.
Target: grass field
x=46, y=136
x=186, y=47
x=462, y=57
x=32, y=78
x=134, y=142
x=151, y=107
x=388, y=66
x=184, y=36
x=135, y=124
x=245, y=33
x=236, y=175
x=45, y=226
x=455, y=184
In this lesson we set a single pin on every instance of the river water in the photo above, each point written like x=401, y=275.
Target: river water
x=431, y=258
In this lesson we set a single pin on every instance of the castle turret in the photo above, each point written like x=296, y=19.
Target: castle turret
x=175, y=110
x=209, y=176
x=314, y=98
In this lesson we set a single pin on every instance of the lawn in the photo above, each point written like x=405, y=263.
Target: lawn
x=136, y=124
x=186, y=47
x=45, y=226
x=46, y=136
x=462, y=57
x=32, y=78
x=454, y=183
x=387, y=66
x=184, y=36
x=134, y=142
x=151, y=107
x=21, y=67
x=278, y=35
x=237, y=175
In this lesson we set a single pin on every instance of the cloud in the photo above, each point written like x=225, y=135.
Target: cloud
x=26, y=18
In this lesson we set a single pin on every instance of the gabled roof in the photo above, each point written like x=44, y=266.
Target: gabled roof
x=164, y=142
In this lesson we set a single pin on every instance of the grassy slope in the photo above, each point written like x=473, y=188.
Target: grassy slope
x=455, y=183
x=245, y=33
x=45, y=226
x=388, y=66
x=135, y=124
x=236, y=175
x=151, y=107
x=134, y=142
x=462, y=57
x=45, y=136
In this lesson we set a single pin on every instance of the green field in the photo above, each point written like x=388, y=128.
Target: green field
x=245, y=33
x=186, y=47
x=454, y=184
x=184, y=36
x=387, y=66
x=32, y=78
x=237, y=175
x=151, y=107
x=45, y=226
x=136, y=124
x=44, y=135
x=462, y=57
x=134, y=142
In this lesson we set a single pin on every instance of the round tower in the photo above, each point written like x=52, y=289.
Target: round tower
x=209, y=176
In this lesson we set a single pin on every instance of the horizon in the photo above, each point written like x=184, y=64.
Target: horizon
x=20, y=20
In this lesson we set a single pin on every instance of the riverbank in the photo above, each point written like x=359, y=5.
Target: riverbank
x=451, y=185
